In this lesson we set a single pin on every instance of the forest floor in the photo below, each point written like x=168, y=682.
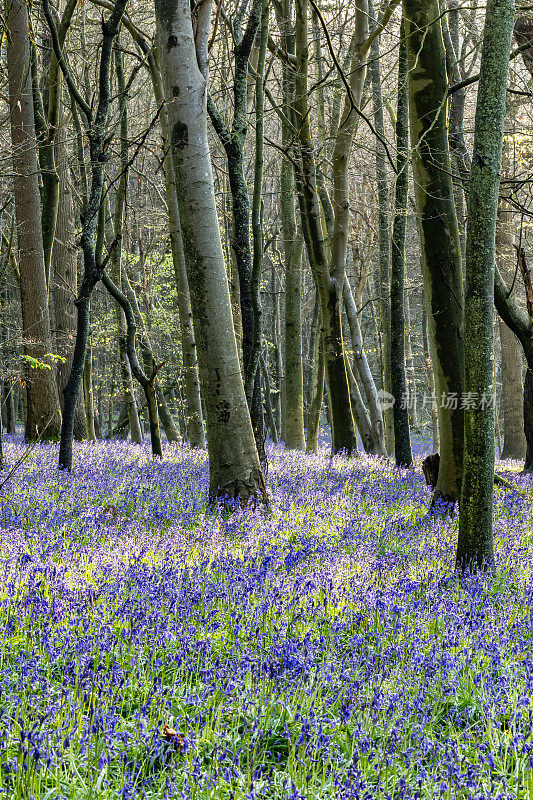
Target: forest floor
x=322, y=649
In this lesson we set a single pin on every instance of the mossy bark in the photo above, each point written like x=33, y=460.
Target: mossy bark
x=441, y=251
x=475, y=543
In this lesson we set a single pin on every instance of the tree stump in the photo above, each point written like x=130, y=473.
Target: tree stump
x=430, y=468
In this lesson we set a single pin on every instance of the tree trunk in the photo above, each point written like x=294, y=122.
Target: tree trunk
x=475, y=544
x=116, y=255
x=528, y=418
x=88, y=392
x=330, y=286
x=402, y=438
x=439, y=234
x=431, y=384
x=294, y=435
x=514, y=440
x=92, y=268
x=374, y=69
x=233, y=460
x=194, y=414
x=65, y=279
x=511, y=353
x=268, y=398
x=410, y=364
x=169, y=426
x=374, y=438
x=43, y=419
x=233, y=139
x=317, y=397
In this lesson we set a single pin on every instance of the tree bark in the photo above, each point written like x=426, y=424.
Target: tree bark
x=514, y=442
x=372, y=430
x=330, y=283
x=43, y=419
x=194, y=414
x=475, y=544
x=374, y=70
x=398, y=377
x=317, y=397
x=116, y=255
x=65, y=279
x=293, y=428
x=439, y=234
x=234, y=466
x=233, y=140
x=92, y=268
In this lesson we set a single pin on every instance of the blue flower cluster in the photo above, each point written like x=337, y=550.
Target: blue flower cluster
x=322, y=649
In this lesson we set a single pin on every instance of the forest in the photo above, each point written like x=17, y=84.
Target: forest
x=266, y=400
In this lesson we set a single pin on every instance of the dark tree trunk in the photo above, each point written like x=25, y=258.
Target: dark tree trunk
x=398, y=378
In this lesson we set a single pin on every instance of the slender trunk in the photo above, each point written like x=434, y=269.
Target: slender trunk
x=257, y=415
x=431, y=384
x=234, y=139
x=293, y=428
x=402, y=439
x=148, y=383
x=514, y=440
x=268, y=398
x=169, y=426
x=410, y=363
x=317, y=397
x=312, y=352
x=330, y=286
x=373, y=426
x=116, y=256
x=511, y=353
x=475, y=544
x=148, y=358
x=64, y=279
x=374, y=69
x=278, y=362
x=92, y=268
x=88, y=393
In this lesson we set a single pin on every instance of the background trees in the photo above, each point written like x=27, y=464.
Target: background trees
x=276, y=240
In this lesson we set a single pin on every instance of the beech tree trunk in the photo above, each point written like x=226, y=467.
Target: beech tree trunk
x=43, y=418
x=194, y=414
x=234, y=466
